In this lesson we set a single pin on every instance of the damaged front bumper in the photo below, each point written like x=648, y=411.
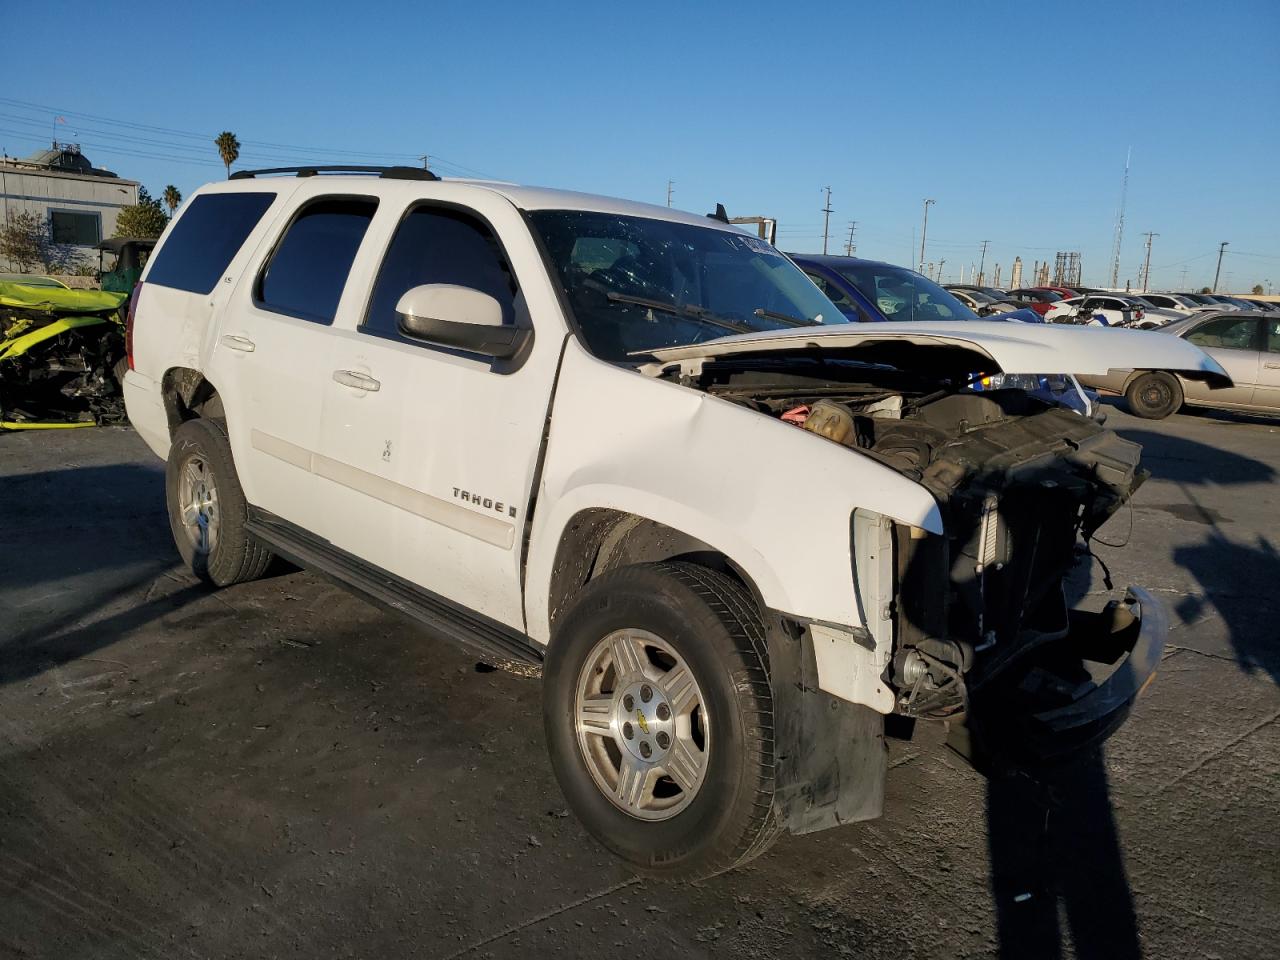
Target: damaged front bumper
x=1064, y=696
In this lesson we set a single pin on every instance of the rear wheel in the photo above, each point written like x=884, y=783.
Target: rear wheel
x=659, y=719
x=1154, y=395
x=208, y=514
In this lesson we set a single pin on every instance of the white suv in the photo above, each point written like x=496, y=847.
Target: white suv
x=638, y=452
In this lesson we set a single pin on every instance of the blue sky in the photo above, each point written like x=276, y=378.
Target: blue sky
x=1014, y=117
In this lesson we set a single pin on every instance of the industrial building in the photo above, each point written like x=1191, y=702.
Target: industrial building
x=79, y=200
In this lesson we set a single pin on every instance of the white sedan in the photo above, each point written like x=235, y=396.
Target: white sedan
x=1109, y=310
x=1183, y=306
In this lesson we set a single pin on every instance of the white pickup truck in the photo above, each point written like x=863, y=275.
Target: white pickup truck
x=638, y=452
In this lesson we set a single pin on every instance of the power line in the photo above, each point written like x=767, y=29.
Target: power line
x=260, y=149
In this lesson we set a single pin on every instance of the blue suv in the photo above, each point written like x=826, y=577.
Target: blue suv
x=867, y=291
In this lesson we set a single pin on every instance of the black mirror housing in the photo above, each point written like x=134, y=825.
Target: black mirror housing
x=499, y=342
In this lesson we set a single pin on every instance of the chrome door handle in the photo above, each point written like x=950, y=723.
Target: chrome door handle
x=243, y=344
x=356, y=379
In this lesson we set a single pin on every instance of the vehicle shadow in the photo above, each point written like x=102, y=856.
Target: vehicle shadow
x=75, y=544
x=1238, y=582
x=35, y=652
x=1208, y=413
x=1057, y=865
x=1174, y=458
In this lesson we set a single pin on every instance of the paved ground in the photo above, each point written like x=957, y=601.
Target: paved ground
x=280, y=770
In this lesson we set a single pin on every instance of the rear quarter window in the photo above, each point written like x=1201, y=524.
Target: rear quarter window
x=205, y=238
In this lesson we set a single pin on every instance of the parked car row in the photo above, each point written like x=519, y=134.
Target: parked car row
x=1236, y=332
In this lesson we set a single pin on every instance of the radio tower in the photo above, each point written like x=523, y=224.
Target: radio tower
x=1115, y=249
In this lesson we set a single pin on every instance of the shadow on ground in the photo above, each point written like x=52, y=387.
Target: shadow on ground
x=1057, y=867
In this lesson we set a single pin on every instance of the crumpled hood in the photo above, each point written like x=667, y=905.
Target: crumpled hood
x=985, y=346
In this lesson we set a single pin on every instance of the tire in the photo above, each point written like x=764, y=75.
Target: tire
x=707, y=621
x=1154, y=395
x=216, y=545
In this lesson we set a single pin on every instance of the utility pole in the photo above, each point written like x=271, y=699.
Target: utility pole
x=849, y=246
x=424, y=158
x=1182, y=284
x=1146, y=267
x=940, y=265
x=982, y=263
x=670, y=184
x=924, y=231
x=1221, y=250
x=826, y=220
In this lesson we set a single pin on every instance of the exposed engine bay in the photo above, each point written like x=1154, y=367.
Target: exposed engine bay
x=1021, y=485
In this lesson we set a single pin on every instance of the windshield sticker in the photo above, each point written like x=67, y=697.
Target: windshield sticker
x=741, y=241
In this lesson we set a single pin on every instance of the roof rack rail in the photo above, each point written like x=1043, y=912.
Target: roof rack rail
x=384, y=173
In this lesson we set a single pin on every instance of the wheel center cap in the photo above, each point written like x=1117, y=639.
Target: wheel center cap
x=645, y=727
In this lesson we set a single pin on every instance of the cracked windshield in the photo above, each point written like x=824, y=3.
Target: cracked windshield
x=636, y=284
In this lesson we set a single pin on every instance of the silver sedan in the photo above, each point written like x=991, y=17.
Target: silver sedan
x=1246, y=344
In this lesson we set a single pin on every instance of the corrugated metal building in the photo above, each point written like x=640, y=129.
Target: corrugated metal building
x=79, y=200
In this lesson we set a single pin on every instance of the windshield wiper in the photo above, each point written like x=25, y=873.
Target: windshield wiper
x=782, y=318
x=681, y=310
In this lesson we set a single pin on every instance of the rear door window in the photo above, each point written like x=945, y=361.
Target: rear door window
x=205, y=239
x=306, y=273
x=1273, y=336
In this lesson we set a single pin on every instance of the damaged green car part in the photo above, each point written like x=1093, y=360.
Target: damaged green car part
x=59, y=356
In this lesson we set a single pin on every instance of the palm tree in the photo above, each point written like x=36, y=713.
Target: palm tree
x=172, y=198
x=228, y=148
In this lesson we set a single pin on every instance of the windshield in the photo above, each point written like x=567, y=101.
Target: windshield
x=984, y=298
x=902, y=294
x=637, y=284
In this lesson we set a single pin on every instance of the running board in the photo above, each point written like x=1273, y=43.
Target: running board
x=486, y=639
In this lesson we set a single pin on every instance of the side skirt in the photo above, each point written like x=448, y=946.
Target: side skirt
x=486, y=639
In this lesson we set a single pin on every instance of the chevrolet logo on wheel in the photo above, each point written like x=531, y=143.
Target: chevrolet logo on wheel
x=644, y=724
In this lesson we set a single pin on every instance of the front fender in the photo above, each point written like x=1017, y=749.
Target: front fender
x=776, y=500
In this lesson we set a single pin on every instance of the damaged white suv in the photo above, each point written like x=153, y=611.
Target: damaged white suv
x=639, y=452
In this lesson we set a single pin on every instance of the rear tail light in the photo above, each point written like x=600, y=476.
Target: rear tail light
x=128, y=323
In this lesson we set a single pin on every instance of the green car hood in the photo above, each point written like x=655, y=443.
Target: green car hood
x=58, y=301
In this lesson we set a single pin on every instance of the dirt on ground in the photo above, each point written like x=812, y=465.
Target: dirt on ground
x=280, y=770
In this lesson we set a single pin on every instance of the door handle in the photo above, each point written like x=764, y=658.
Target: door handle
x=356, y=379
x=243, y=344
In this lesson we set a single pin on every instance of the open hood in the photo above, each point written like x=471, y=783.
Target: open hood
x=965, y=346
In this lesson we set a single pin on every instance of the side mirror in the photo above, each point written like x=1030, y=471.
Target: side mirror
x=448, y=315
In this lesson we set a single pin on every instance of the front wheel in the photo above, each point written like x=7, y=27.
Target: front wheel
x=1154, y=395
x=659, y=719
